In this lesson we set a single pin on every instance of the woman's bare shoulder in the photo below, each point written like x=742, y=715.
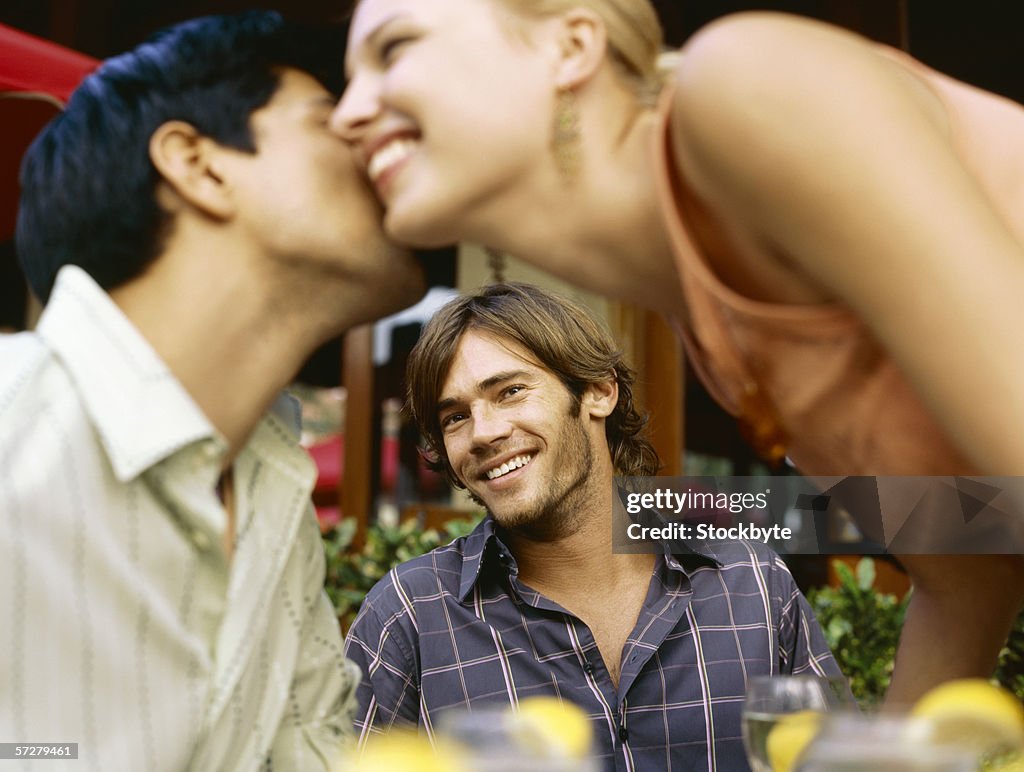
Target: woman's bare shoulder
x=774, y=71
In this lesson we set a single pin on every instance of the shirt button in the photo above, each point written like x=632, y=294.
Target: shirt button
x=623, y=733
x=588, y=668
x=201, y=540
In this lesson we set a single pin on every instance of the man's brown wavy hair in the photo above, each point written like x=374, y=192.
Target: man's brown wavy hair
x=563, y=336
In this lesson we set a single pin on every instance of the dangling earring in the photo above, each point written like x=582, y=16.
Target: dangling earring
x=497, y=263
x=565, y=139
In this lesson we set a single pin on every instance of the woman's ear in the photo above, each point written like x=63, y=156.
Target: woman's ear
x=583, y=42
x=600, y=398
x=187, y=162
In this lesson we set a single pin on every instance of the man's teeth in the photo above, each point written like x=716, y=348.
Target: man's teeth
x=393, y=152
x=508, y=466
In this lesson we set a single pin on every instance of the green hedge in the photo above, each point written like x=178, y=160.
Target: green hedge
x=351, y=574
x=862, y=627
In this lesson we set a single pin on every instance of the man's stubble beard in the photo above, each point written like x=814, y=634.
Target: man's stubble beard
x=559, y=511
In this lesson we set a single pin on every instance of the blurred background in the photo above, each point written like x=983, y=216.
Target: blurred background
x=979, y=41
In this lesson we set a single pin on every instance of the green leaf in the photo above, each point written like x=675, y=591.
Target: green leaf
x=866, y=573
x=843, y=572
x=345, y=532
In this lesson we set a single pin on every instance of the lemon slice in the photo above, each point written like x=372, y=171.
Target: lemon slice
x=1012, y=762
x=553, y=728
x=788, y=739
x=974, y=713
x=406, y=751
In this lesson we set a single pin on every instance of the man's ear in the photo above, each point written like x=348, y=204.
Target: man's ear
x=583, y=43
x=188, y=163
x=600, y=398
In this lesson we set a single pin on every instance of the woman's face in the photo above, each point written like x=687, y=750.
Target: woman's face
x=450, y=108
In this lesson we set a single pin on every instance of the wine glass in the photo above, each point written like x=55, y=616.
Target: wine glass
x=770, y=698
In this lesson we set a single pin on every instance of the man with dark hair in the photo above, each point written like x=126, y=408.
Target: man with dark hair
x=525, y=401
x=197, y=232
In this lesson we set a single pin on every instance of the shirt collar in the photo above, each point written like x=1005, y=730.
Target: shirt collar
x=691, y=555
x=484, y=541
x=140, y=410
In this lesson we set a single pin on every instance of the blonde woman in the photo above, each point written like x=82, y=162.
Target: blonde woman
x=837, y=229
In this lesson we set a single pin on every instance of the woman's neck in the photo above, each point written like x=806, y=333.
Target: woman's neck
x=602, y=230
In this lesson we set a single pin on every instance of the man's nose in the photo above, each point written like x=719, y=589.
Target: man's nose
x=489, y=425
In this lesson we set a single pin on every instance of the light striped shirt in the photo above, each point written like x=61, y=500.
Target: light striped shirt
x=124, y=628
x=456, y=627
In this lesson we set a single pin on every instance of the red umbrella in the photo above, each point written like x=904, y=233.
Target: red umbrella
x=36, y=78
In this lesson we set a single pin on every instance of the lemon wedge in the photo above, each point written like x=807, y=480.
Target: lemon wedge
x=974, y=713
x=788, y=739
x=553, y=728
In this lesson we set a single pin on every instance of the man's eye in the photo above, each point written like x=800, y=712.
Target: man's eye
x=511, y=391
x=452, y=419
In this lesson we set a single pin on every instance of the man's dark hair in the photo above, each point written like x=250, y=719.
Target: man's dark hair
x=88, y=185
x=563, y=336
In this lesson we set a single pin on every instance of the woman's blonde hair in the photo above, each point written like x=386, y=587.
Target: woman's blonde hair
x=635, y=37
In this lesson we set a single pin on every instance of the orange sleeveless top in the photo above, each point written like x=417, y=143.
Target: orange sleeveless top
x=811, y=382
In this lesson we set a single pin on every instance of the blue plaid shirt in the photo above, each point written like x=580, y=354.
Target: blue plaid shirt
x=456, y=627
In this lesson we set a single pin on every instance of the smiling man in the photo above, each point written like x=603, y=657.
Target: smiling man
x=527, y=403
x=197, y=232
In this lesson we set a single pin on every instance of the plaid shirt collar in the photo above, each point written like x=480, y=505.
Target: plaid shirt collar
x=484, y=545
